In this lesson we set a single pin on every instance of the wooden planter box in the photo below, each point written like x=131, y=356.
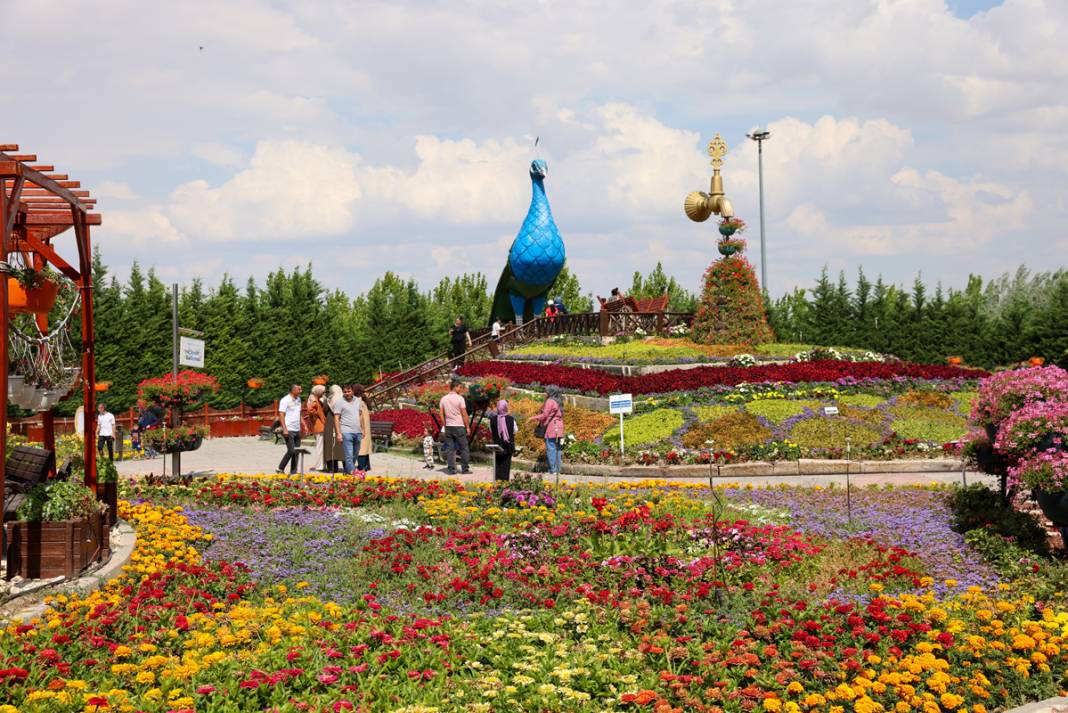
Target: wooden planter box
x=229, y=429
x=41, y=550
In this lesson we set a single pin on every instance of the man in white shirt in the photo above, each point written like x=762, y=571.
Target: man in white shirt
x=105, y=432
x=289, y=416
x=495, y=330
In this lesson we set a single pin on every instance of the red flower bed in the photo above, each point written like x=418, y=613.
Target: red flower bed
x=688, y=379
x=406, y=421
x=347, y=493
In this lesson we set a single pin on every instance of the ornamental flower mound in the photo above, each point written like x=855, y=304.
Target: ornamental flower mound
x=731, y=309
x=634, y=596
x=590, y=380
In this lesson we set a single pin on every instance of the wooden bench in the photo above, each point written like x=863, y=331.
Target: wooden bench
x=273, y=431
x=382, y=431
x=26, y=467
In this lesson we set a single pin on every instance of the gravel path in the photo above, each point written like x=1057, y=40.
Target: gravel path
x=252, y=455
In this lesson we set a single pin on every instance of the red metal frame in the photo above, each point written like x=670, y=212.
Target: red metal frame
x=36, y=205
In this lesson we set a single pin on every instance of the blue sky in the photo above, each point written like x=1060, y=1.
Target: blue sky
x=908, y=136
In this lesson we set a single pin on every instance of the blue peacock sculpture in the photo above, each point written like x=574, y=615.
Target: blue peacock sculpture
x=534, y=260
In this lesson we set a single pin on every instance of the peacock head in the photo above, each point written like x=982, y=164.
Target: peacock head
x=538, y=169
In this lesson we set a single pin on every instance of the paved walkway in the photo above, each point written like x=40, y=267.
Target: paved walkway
x=252, y=455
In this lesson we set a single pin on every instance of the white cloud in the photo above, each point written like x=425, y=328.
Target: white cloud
x=115, y=190
x=291, y=190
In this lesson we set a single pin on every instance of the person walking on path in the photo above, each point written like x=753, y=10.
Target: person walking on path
x=459, y=340
x=317, y=417
x=289, y=416
x=503, y=430
x=363, y=460
x=347, y=426
x=453, y=412
x=105, y=432
x=550, y=422
x=332, y=450
x=495, y=330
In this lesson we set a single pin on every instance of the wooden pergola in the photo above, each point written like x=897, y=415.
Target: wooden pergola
x=36, y=206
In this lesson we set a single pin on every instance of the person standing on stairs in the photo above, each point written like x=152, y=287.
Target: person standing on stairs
x=459, y=340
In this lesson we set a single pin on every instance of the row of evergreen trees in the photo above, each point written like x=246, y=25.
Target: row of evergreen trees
x=291, y=328
x=1000, y=322
x=288, y=330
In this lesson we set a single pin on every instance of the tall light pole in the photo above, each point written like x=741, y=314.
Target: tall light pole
x=760, y=136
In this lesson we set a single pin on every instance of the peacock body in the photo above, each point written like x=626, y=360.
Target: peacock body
x=535, y=259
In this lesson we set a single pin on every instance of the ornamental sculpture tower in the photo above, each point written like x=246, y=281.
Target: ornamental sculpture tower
x=730, y=310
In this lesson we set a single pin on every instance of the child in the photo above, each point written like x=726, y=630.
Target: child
x=428, y=449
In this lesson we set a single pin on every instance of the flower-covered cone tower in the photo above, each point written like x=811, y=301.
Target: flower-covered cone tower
x=731, y=308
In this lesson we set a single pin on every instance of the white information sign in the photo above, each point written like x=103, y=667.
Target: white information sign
x=191, y=352
x=620, y=403
x=830, y=410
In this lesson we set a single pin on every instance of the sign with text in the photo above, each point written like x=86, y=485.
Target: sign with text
x=620, y=403
x=830, y=410
x=191, y=352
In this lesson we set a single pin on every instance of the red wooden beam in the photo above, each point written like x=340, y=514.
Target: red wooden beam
x=43, y=168
x=38, y=191
x=9, y=147
x=24, y=156
x=8, y=167
x=49, y=254
x=56, y=218
x=47, y=183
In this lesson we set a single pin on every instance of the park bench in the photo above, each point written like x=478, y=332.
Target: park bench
x=26, y=467
x=273, y=431
x=382, y=431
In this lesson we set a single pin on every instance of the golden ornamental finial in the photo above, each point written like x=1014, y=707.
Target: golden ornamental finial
x=717, y=149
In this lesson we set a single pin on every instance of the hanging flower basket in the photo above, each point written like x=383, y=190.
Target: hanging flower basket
x=955, y=361
x=180, y=391
x=175, y=440
x=730, y=226
x=35, y=300
x=320, y=380
x=101, y=386
x=1036, y=361
x=731, y=246
x=254, y=383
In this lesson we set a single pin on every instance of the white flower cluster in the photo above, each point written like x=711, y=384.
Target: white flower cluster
x=742, y=360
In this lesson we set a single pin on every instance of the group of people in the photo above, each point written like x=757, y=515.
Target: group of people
x=340, y=420
x=107, y=429
x=456, y=426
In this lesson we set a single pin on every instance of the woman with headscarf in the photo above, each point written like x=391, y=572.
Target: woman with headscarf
x=550, y=422
x=502, y=428
x=317, y=420
x=332, y=452
x=363, y=458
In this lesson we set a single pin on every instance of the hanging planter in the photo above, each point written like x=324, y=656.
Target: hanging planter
x=320, y=380
x=175, y=440
x=181, y=391
x=254, y=383
x=101, y=386
x=34, y=300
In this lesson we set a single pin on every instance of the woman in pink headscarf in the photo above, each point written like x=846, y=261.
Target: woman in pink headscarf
x=502, y=427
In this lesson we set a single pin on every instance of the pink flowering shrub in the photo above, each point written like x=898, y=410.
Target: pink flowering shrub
x=1045, y=470
x=1001, y=394
x=1034, y=427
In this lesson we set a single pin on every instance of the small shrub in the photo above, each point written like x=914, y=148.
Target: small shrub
x=705, y=414
x=862, y=400
x=923, y=423
x=832, y=432
x=56, y=501
x=930, y=399
x=734, y=430
x=965, y=400
x=871, y=417
x=978, y=507
x=778, y=410
x=646, y=428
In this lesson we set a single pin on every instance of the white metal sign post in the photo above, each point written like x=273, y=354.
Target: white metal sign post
x=621, y=404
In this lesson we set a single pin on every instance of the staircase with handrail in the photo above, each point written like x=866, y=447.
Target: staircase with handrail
x=578, y=324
